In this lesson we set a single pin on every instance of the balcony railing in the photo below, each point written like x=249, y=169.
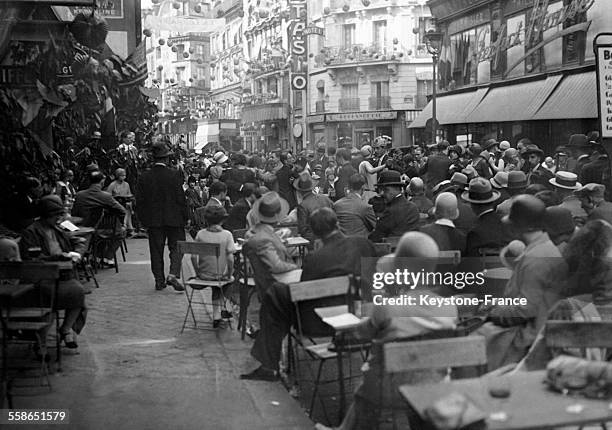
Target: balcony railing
x=320, y=106
x=360, y=53
x=348, y=104
x=380, y=103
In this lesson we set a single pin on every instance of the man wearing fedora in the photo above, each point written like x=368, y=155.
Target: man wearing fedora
x=466, y=219
x=597, y=170
x=565, y=184
x=162, y=209
x=399, y=215
x=536, y=173
x=310, y=202
x=580, y=151
x=538, y=277
x=488, y=230
x=592, y=199
x=517, y=184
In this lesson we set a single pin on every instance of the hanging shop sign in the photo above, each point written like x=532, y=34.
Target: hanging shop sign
x=297, y=44
x=313, y=29
x=360, y=116
x=540, y=21
x=109, y=9
x=602, y=46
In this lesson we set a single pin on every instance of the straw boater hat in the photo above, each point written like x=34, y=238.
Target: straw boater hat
x=566, y=180
x=480, y=192
x=220, y=157
x=271, y=208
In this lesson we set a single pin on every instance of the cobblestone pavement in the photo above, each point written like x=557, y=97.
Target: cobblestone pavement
x=134, y=369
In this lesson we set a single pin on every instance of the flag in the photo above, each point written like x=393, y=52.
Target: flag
x=136, y=66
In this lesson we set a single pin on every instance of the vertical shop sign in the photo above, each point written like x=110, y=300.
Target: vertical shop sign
x=297, y=44
x=602, y=46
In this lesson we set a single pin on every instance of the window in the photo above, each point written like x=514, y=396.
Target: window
x=179, y=52
x=297, y=100
x=380, y=34
x=348, y=34
x=349, y=91
x=424, y=88
x=180, y=73
x=380, y=89
x=273, y=87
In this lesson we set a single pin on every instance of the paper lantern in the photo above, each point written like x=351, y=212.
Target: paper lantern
x=366, y=3
x=346, y=7
x=191, y=50
x=197, y=8
x=395, y=41
x=160, y=67
x=176, y=5
x=326, y=10
x=185, y=54
x=147, y=32
x=199, y=61
x=161, y=42
x=174, y=49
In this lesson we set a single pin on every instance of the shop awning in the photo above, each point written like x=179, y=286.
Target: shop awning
x=451, y=109
x=518, y=102
x=574, y=98
x=265, y=112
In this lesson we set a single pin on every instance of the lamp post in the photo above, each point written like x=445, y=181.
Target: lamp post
x=433, y=39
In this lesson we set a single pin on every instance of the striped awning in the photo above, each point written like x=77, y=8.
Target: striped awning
x=574, y=98
x=519, y=102
x=451, y=109
x=264, y=112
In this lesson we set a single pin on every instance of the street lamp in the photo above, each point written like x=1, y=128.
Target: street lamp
x=433, y=39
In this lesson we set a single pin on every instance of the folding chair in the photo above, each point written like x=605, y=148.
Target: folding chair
x=109, y=232
x=30, y=319
x=196, y=284
x=311, y=290
x=409, y=355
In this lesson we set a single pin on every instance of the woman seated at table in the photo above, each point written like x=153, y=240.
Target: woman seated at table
x=55, y=244
x=415, y=252
x=589, y=258
x=208, y=267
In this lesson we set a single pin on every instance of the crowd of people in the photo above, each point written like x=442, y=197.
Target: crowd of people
x=546, y=215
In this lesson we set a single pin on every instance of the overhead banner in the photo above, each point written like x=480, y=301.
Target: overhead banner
x=109, y=9
x=185, y=24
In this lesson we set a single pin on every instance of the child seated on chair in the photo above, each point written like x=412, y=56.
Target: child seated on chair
x=207, y=267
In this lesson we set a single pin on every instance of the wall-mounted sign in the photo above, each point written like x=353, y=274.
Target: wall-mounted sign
x=299, y=81
x=315, y=118
x=360, y=116
x=297, y=43
x=110, y=9
x=15, y=76
x=603, y=54
x=313, y=29
x=541, y=20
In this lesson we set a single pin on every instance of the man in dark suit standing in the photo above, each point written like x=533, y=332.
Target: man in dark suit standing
x=399, y=215
x=437, y=166
x=285, y=176
x=162, y=208
x=355, y=217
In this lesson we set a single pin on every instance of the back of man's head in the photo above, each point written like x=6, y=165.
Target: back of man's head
x=417, y=251
x=249, y=189
x=343, y=154
x=323, y=221
x=96, y=177
x=356, y=182
x=217, y=188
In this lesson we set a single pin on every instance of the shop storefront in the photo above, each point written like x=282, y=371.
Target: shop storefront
x=265, y=127
x=356, y=128
x=517, y=68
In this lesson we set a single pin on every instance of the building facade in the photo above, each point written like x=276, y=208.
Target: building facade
x=369, y=70
x=517, y=68
x=178, y=60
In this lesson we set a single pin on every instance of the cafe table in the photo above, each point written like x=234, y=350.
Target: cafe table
x=531, y=404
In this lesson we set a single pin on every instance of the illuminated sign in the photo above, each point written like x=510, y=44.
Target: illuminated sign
x=297, y=44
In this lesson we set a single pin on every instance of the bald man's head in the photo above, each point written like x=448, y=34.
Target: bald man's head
x=416, y=251
x=9, y=250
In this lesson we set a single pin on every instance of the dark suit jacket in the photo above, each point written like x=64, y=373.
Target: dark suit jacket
x=160, y=200
x=399, y=216
x=437, y=169
x=467, y=218
x=355, y=217
x=311, y=203
x=89, y=203
x=489, y=232
x=237, y=216
x=285, y=178
x=447, y=238
x=595, y=172
x=339, y=255
x=234, y=179
x=344, y=173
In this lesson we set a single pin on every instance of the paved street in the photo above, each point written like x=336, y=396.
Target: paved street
x=135, y=371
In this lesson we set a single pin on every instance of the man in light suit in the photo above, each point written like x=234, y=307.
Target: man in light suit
x=355, y=217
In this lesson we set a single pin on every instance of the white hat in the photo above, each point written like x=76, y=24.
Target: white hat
x=220, y=157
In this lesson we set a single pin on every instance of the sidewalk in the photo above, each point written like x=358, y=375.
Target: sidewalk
x=135, y=371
